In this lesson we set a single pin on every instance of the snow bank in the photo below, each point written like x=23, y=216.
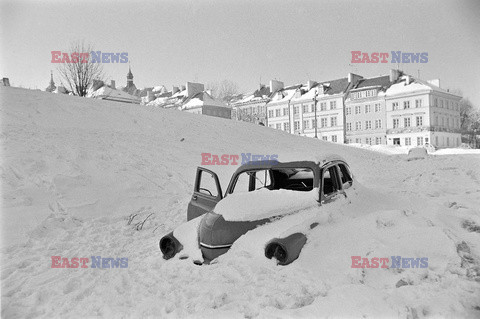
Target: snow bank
x=83, y=177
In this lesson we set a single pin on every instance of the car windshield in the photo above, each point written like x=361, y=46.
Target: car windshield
x=297, y=179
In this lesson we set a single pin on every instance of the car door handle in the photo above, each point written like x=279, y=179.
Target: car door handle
x=194, y=197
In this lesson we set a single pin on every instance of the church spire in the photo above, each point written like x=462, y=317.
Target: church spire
x=52, y=86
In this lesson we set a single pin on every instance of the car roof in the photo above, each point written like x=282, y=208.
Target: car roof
x=312, y=162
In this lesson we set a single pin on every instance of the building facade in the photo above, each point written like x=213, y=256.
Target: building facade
x=420, y=113
x=313, y=110
x=251, y=107
x=365, y=112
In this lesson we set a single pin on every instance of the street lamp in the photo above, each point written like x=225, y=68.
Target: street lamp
x=315, y=107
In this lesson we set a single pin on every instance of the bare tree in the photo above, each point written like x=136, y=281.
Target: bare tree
x=224, y=89
x=78, y=71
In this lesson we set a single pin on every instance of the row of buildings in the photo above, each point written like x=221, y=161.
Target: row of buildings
x=395, y=109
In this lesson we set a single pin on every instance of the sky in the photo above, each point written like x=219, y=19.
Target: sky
x=247, y=42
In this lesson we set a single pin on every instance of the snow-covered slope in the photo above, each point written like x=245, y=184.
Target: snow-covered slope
x=82, y=177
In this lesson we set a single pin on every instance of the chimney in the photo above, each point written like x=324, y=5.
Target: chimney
x=6, y=82
x=150, y=96
x=112, y=84
x=275, y=85
x=352, y=77
x=320, y=88
x=408, y=79
x=394, y=74
x=175, y=90
x=310, y=84
x=435, y=82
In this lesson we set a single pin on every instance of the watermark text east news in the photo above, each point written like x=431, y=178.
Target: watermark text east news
x=83, y=57
x=382, y=57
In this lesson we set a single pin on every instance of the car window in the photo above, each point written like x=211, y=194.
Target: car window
x=345, y=176
x=262, y=179
x=208, y=184
x=242, y=183
x=252, y=180
x=329, y=181
x=297, y=179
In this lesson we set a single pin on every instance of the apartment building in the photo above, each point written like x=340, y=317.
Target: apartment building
x=365, y=112
x=299, y=109
x=420, y=112
x=279, y=112
x=251, y=107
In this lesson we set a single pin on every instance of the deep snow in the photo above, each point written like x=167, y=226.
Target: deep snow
x=79, y=176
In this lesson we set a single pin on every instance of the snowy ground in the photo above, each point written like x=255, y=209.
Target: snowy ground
x=73, y=170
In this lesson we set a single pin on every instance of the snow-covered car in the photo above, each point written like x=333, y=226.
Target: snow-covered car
x=258, y=194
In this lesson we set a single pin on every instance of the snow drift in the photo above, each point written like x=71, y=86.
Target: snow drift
x=84, y=178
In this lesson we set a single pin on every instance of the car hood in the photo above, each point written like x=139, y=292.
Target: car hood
x=262, y=204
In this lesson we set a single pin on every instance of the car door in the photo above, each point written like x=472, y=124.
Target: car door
x=207, y=193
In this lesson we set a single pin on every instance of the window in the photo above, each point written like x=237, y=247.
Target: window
x=377, y=107
x=277, y=112
x=333, y=121
x=278, y=126
x=286, y=127
x=358, y=140
x=208, y=184
x=296, y=125
x=349, y=126
x=285, y=111
x=324, y=138
x=252, y=180
x=358, y=109
x=334, y=138
x=418, y=103
x=378, y=140
x=367, y=108
x=419, y=141
x=306, y=124
x=348, y=111
x=408, y=141
x=358, y=125
x=435, y=102
x=419, y=120
x=333, y=105
x=313, y=124
x=368, y=125
x=296, y=110
x=329, y=181
x=441, y=104
x=323, y=106
x=345, y=176
x=270, y=113
x=312, y=108
x=305, y=108
x=368, y=140
x=406, y=121
x=378, y=123
x=323, y=122
x=394, y=106
x=396, y=123
x=406, y=104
